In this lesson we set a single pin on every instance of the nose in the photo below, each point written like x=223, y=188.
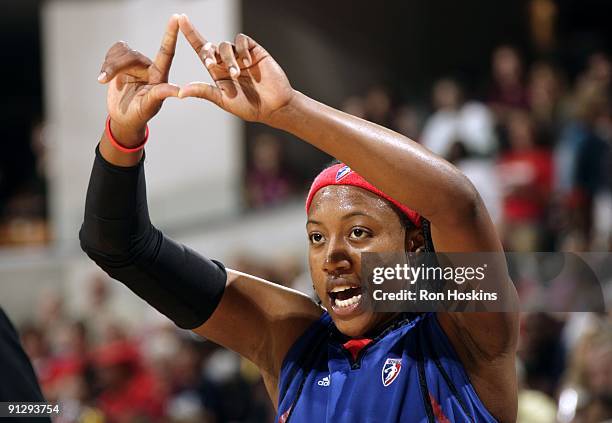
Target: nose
x=337, y=258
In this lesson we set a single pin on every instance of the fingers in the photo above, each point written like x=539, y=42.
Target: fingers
x=226, y=51
x=211, y=55
x=164, y=56
x=122, y=59
x=243, y=48
x=201, y=90
x=162, y=91
x=199, y=44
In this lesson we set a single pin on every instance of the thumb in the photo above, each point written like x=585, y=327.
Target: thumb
x=201, y=90
x=161, y=92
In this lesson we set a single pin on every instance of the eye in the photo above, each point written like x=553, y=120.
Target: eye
x=359, y=233
x=315, y=238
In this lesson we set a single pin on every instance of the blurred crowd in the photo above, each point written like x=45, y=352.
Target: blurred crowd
x=564, y=368
x=105, y=362
x=104, y=366
x=534, y=141
x=537, y=146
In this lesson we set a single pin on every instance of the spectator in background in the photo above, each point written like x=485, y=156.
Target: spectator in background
x=51, y=317
x=482, y=173
x=69, y=372
x=598, y=376
x=545, y=95
x=98, y=313
x=407, y=121
x=227, y=392
x=355, y=106
x=525, y=173
x=249, y=263
x=587, y=393
x=268, y=183
x=74, y=339
x=404, y=119
x=187, y=402
x=37, y=348
x=534, y=406
x=598, y=71
x=580, y=156
x=454, y=119
x=128, y=391
x=378, y=106
x=507, y=91
x=541, y=351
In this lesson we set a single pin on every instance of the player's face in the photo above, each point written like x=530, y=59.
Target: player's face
x=343, y=222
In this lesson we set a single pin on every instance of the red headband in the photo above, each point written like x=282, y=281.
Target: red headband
x=341, y=174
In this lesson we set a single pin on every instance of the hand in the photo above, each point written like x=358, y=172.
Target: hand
x=137, y=86
x=248, y=82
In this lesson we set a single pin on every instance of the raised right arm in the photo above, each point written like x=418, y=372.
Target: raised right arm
x=255, y=318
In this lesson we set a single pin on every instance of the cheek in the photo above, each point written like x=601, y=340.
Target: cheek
x=316, y=273
x=382, y=243
x=392, y=242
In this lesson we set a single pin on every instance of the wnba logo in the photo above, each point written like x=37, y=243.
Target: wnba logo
x=391, y=370
x=342, y=172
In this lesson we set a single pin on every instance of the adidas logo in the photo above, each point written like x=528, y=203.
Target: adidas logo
x=324, y=382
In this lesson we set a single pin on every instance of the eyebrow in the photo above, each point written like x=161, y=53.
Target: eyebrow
x=353, y=214
x=345, y=217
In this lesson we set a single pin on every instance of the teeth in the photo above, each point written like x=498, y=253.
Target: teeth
x=349, y=302
x=340, y=288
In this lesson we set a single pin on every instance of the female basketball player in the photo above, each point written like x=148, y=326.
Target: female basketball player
x=337, y=362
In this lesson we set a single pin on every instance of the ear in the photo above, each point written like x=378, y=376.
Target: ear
x=414, y=240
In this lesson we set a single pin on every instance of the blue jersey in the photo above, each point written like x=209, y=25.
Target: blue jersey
x=408, y=373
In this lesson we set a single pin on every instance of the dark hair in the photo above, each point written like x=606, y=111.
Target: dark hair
x=404, y=220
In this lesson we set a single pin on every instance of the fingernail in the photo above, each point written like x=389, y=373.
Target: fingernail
x=102, y=76
x=246, y=62
x=208, y=62
x=233, y=71
x=207, y=46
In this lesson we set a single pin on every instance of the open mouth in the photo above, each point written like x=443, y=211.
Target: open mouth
x=345, y=298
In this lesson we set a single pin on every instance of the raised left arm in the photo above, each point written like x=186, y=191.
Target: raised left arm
x=251, y=85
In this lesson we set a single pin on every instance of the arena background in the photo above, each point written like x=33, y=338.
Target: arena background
x=515, y=93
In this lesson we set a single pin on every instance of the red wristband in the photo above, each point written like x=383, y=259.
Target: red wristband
x=120, y=147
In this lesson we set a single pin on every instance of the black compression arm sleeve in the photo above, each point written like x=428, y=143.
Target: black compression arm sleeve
x=118, y=235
